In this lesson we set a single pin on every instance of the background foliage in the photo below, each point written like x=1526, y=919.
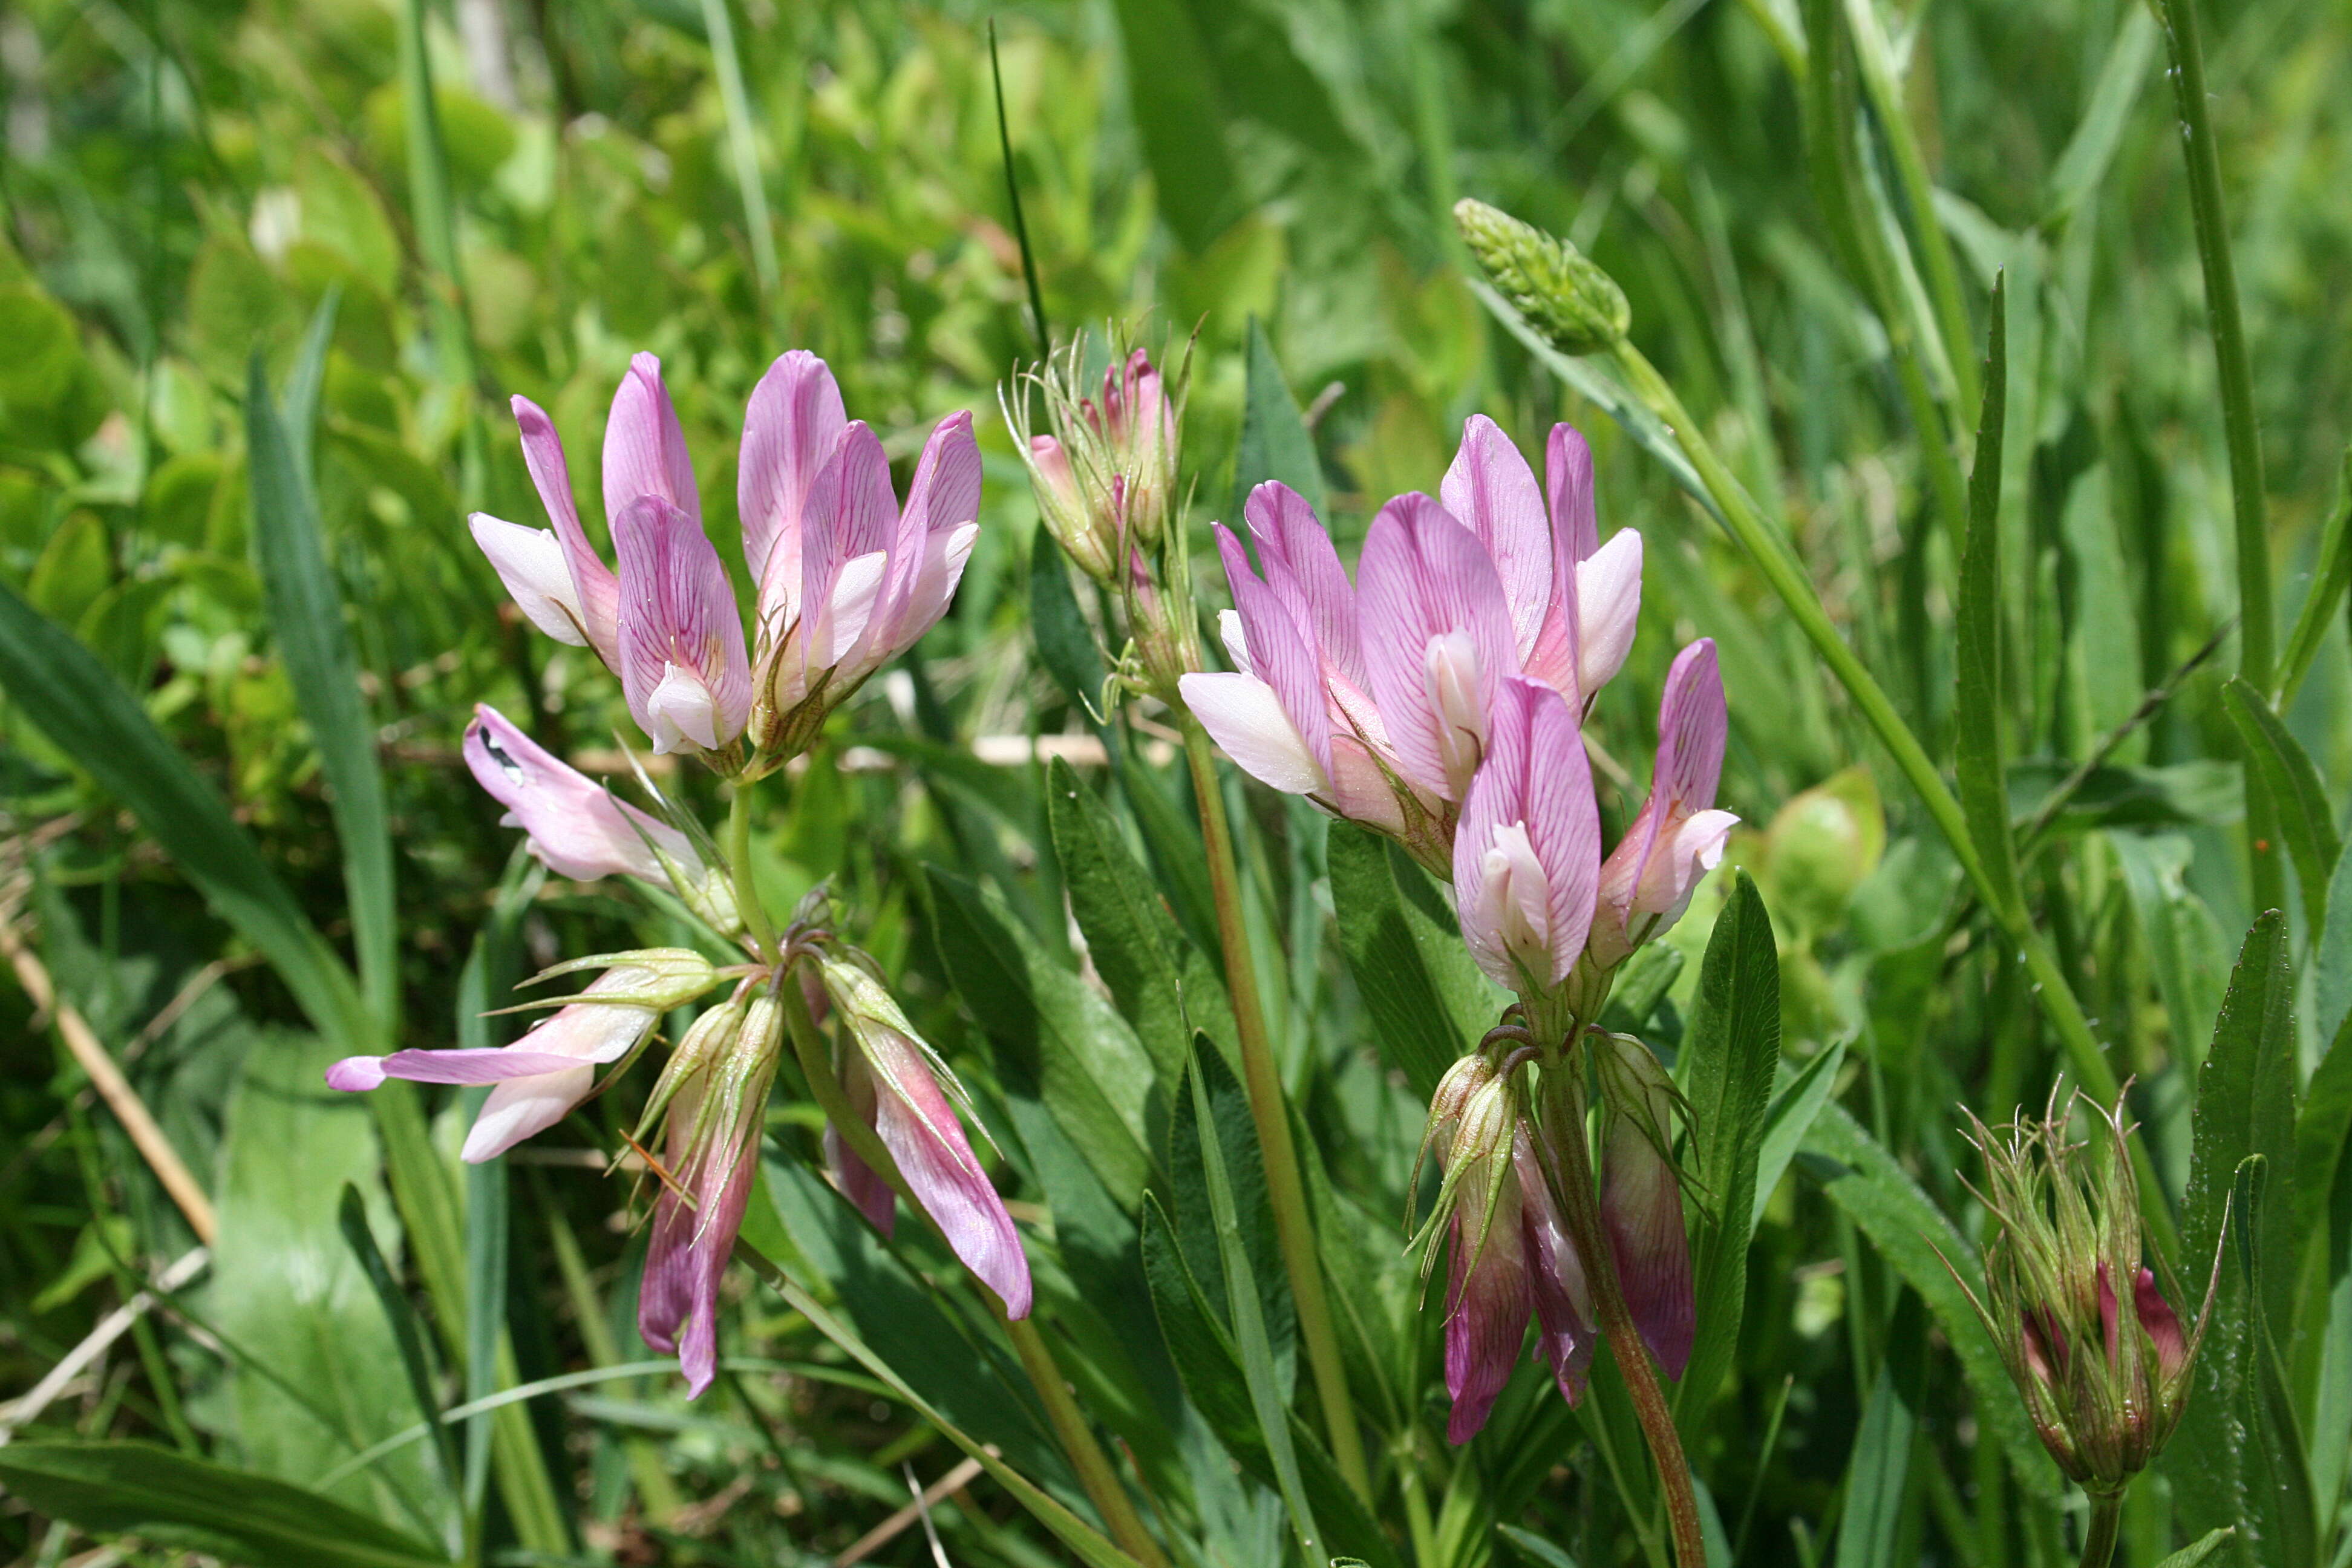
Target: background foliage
x=512, y=198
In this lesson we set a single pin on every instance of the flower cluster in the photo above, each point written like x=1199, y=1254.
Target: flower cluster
x=846, y=579
x=2104, y=1386
x=1440, y=699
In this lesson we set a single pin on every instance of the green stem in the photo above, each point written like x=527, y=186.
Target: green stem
x=2257, y=634
x=739, y=865
x=1786, y=574
x=1086, y=1457
x=2099, y=1541
x=1286, y=1192
x=1582, y=1212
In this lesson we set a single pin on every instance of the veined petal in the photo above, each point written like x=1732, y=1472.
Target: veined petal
x=597, y=590
x=945, y=554
x=1282, y=651
x=843, y=617
x=857, y=1180
x=575, y=824
x=1437, y=640
x=1693, y=727
x=1608, y=605
x=679, y=623
x=794, y=421
x=1487, y=1304
x=1231, y=633
x=1677, y=836
x=1568, y=485
x=1248, y=721
x=942, y=502
x=666, y=1294
x=529, y=562
x=852, y=512
x=1360, y=788
x=645, y=448
x=1527, y=854
x=1642, y=1211
x=1293, y=545
x=1490, y=490
x=485, y=1064
x=1564, y=1323
x=919, y=1128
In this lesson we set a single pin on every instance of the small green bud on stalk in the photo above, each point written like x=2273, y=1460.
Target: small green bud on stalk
x=1548, y=281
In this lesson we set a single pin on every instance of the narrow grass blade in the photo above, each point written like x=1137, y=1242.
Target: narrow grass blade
x=2306, y=816
x=743, y=147
x=2331, y=573
x=1980, y=771
x=406, y=1332
x=1013, y=201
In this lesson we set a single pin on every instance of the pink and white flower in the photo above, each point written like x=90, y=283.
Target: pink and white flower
x=1647, y=881
x=1526, y=856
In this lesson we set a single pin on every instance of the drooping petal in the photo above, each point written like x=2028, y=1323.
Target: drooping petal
x=665, y=1293
x=1642, y=1211
x=857, y=1180
x=472, y=1064
x=1292, y=542
x=1678, y=836
x=645, y=448
x=723, y=1191
x=791, y=427
x=1526, y=856
x=1491, y=490
x=1564, y=1325
x=1608, y=607
x=1437, y=640
x=919, y=1128
x=684, y=668
x=595, y=588
x=1249, y=723
x=1277, y=623
x=1487, y=1304
x=575, y=824
x=529, y=562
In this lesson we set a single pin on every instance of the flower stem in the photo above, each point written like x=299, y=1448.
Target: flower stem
x=1293, y=1227
x=2099, y=1541
x=1787, y=577
x=739, y=865
x=1582, y=1209
x=2256, y=633
x=1086, y=1457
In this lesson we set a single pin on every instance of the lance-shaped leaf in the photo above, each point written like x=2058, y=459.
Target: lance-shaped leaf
x=2306, y=814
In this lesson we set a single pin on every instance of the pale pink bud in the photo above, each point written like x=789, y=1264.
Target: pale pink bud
x=575, y=824
x=1640, y=1201
x=1678, y=837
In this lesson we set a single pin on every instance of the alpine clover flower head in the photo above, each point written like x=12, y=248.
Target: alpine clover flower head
x=1372, y=698
x=1548, y=281
x=2093, y=1341
x=846, y=579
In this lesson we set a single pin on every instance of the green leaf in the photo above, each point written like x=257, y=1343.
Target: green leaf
x=1428, y=1001
x=1180, y=118
x=1276, y=443
x=1055, y=1035
x=408, y=1334
x=1917, y=1241
x=176, y=1500
x=2331, y=959
x=1981, y=776
x=1879, y=1472
x=2245, y=1109
x=1063, y=639
x=1535, y=1548
x=1788, y=1121
x=2085, y=162
x=2190, y=1556
x=2184, y=943
x=2278, y=1472
x=2306, y=817
x=306, y=614
x=1164, y=984
x=63, y=689
x=1729, y=1054
x=1193, y=1187
x=2332, y=574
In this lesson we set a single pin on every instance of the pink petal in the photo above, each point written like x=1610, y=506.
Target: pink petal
x=723, y=1194
x=1693, y=726
x=645, y=448
x=523, y=1108
x=1642, y=1210
x=575, y=825
x=794, y=423
x=920, y=1130
x=1568, y=485
x=1676, y=837
x=1292, y=542
x=666, y=1294
x=596, y=589
x=942, y=500
x=357, y=1075
x=678, y=622
x=1564, y=1327
x=1360, y=789
x=858, y=1181
x=480, y=1064
x=1249, y=723
x=2162, y=1325
x=1424, y=578
x=1533, y=798
x=529, y=562
x=1487, y=1302
x=1608, y=604
x=1491, y=490
x=945, y=554
x=1280, y=635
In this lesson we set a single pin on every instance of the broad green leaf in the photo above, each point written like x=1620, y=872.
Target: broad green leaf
x=2306, y=814
x=1931, y=1256
x=63, y=689
x=1729, y=1056
x=1063, y=639
x=177, y=1499
x=1164, y=808
x=1165, y=985
x=1198, y=1220
x=285, y=1286
x=2193, y=1555
x=1979, y=711
x=1054, y=1034
x=306, y=615
x=1428, y=1001
x=1179, y=117
x=1276, y=443
x=2278, y=1473
x=1876, y=1476
x=2246, y=1109
x=1789, y=1119
x=408, y=1334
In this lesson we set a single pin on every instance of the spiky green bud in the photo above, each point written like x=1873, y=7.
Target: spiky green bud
x=1548, y=281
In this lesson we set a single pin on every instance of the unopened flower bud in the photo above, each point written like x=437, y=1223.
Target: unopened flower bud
x=1548, y=281
x=661, y=978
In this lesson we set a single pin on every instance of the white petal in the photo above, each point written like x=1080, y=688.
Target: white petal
x=1608, y=606
x=945, y=551
x=1236, y=641
x=521, y=1107
x=844, y=616
x=682, y=712
x=529, y=562
x=1243, y=715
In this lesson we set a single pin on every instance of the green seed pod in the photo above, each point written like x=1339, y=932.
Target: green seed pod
x=1555, y=286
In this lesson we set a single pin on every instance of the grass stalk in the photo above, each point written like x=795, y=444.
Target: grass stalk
x=1285, y=1190
x=743, y=148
